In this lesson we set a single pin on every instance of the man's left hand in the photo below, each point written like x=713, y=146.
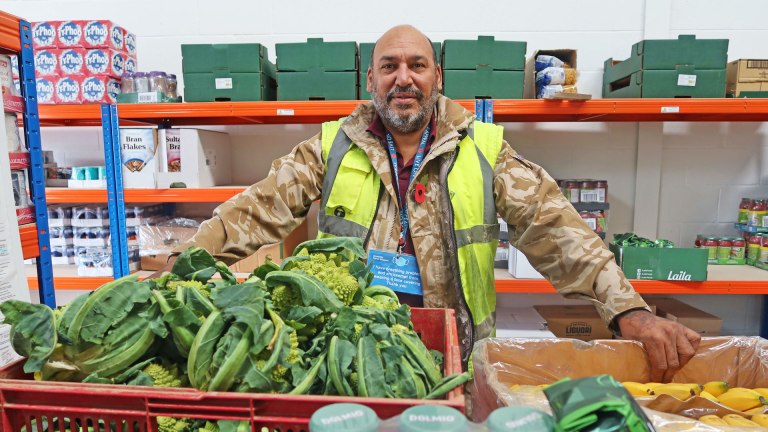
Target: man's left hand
x=669, y=344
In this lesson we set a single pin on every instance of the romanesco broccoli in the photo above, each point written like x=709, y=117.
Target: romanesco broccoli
x=293, y=355
x=162, y=377
x=333, y=272
x=284, y=296
x=210, y=426
x=170, y=424
x=172, y=285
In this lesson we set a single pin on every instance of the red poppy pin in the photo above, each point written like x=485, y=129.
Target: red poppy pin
x=419, y=193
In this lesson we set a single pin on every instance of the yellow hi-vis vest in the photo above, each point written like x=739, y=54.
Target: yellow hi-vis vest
x=350, y=208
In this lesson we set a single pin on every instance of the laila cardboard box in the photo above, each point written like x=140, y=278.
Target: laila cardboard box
x=195, y=157
x=747, y=78
x=697, y=320
x=576, y=322
x=679, y=264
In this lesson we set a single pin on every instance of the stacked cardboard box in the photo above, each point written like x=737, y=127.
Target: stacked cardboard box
x=317, y=70
x=227, y=72
x=747, y=78
x=682, y=67
x=81, y=61
x=365, y=61
x=483, y=68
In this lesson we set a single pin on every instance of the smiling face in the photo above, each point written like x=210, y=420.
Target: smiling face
x=403, y=79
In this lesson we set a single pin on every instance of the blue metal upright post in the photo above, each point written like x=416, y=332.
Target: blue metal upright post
x=115, y=195
x=36, y=170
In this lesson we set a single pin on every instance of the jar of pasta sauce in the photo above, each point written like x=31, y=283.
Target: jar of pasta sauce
x=738, y=248
x=601, y=186
x=588, y=192
x=757, y=213
x=763, y=259
x=710, y=243
x=744, y=207
x=573, y=190
x=724, y=245
x=753, y=248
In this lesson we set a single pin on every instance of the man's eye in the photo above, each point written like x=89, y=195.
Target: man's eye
x=419, y=65
x=388, y=66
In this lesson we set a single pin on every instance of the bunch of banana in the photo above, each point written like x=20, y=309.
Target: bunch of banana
x=733, y=420
x=742, y=399
x=716, y=388
x=761, y=419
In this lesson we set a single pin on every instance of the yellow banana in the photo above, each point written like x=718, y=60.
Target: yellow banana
x=716, y=388
x=653, y=385
x=742, y=399
x=680, y=391
x=636, y=388
x=543, y=386
x=761, y=419
x=737, y=420
x=707, y=395
x=712, y=419
x=763, y=391
x=753, y=411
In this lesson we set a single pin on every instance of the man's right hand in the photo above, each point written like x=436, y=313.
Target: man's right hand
x=166, y=268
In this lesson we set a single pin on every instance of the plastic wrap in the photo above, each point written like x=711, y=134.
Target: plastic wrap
x=508, y=372
x=162, y=237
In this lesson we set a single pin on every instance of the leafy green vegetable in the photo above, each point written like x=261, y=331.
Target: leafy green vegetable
x=33, y=333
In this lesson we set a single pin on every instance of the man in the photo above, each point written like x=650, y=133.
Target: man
x=413, y=148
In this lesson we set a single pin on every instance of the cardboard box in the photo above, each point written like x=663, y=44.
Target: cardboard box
x=316, y=55
x=71, y=61
x=273, y=251
x=520, y=267
x=683, y=81
x=104, y=61
x=46, y=62
x=567, y=55
x=681, y=264
x=45, y=90
x=521, y=322
x=157, y=241
x=103, y=34
x=196, y=157
x=746, y=75
x=44, y=34
x=317, y=85
x=701, y=322
x=576, y=322
x=99, y=89
x=139, y=157
x=483, y=82
x=67, y=90
x=486, y=52
x=235, y=58
x=365, y=61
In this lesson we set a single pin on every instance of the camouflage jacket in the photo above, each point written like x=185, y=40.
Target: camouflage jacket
x=542, y=224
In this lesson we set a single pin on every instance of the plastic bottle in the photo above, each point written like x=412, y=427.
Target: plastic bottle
x=519, y=419
x=344, y=417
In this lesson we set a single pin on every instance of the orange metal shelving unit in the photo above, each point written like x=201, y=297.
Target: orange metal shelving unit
x=520, y=286
x=215, y=195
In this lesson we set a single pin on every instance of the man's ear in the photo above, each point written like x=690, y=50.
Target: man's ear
x=439, y=77
x=369, y=81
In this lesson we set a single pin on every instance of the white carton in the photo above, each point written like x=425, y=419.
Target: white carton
x=139, y=155
x=198, y=158
x=519, y=267
x=521, y=322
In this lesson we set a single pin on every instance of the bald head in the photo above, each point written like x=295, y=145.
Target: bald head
x=404, y=33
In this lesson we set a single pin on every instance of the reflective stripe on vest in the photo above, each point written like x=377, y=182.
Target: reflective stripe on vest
x=350, y=208
x=346, y=211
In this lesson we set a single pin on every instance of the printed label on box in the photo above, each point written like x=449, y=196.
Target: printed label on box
x=686, y=80
x=147, y=97
x=223, y=83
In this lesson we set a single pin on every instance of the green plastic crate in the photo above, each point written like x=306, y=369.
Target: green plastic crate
x=483, y=82
x=316, y=85
x=485, y=51
x=228, y=86
x=314, y=54
x=236, y=58
x=684, y=81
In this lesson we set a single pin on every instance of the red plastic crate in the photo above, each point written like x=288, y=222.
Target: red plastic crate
x=24, y=402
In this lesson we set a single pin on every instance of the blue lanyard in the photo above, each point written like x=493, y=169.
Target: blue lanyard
x=396, y=174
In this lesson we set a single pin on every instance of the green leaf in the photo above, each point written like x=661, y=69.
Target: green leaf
x=351, y=247
x=192, y=260
x=370, y=369
x=69, y=313
x=203, y=347
x=263, y=270
x=312, y=291
x=300, y=316
x=33, y=331
x=202, y=275
x=236, y=295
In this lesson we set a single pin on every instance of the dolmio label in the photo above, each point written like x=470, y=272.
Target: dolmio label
x=45, y=62
x=70, y=33
x=67, y=90
x=71, y=62
x=97, y=61
x=44, y=90
x=43, y=34
x=93, y=89
x=96, y=33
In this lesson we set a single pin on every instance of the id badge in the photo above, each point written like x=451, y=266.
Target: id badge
x=398, y=272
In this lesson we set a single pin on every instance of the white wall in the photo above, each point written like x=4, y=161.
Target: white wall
x=672, y=180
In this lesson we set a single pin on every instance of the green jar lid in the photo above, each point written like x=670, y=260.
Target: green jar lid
x=520, y=419
x=428, y=418
x=344, y=417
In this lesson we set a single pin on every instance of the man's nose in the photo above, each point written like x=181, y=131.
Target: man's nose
x=403, y=76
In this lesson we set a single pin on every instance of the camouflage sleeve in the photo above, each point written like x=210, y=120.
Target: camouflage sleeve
x=558, y=243
x=267, y=211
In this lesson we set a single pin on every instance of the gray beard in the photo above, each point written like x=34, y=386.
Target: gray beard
x=405, y=123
